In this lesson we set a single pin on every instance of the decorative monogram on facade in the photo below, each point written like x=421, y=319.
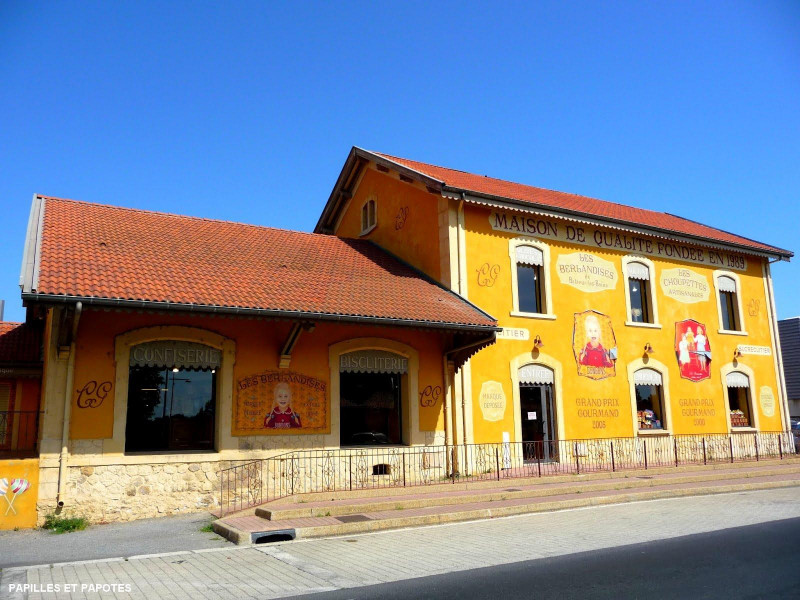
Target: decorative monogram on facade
x=487, y=274
x=93, y=394
x=400, y=219
x=430, y=395
x=754, y=307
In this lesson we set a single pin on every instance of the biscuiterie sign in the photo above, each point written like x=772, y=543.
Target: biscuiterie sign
x=606, y=239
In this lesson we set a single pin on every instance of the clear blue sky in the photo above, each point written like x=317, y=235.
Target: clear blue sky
x=246, y=111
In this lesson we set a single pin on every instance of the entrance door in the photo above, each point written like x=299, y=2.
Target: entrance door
x=538, y=420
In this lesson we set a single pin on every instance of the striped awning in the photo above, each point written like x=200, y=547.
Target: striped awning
x=637, y=270
x=535, y=375
x=726, y=284
x=647, y=377
x=528, y=255
x=735, y=379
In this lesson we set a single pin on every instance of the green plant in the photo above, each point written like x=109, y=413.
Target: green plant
x=328, y=514
x=399, y=507
x=208, y=528
x=60, y=524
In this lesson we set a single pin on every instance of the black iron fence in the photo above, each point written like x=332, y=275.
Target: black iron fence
x=306, y=471
x=19, y=433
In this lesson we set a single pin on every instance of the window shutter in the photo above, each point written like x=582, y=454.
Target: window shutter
x=636, y=270
x=535, y=374
x=726, y=284
x=647, y=377
x=735, y=379
x=528, y=255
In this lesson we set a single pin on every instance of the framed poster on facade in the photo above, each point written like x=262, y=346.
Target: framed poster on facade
x=280, y=403
x=693, y=350
x=594, y=345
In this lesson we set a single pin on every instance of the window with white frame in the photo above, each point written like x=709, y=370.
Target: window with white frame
x=369, y=218
x=739, y=400
x=639, y=292
x=730, y=318
x=649, y=390
x=530, y=279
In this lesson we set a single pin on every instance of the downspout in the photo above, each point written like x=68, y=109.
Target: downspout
x=62, y=460
x=447, y=381
x=773, y=325
x=461, y=290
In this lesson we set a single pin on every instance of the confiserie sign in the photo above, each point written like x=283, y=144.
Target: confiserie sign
x=612, y=240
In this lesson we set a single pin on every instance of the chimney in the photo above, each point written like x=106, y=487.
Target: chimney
x=2, y=307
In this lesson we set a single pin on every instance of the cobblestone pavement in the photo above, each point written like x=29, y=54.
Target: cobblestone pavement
x=301, y=567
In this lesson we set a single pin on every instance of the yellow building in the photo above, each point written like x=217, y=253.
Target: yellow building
x=436, y=324
x=616, y=321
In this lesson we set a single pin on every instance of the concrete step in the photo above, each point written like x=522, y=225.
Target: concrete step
x=512, y=489
x=249, y=529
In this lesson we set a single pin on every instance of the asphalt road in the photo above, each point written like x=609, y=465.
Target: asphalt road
x=145, y=536
x=757, y=561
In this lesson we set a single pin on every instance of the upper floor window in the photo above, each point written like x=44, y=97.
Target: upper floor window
x=639, y=291
x=729, y=302
x=369, y=217
x=530, y=280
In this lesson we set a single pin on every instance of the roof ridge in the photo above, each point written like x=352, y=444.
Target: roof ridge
x=180, y=216
x=528, y=185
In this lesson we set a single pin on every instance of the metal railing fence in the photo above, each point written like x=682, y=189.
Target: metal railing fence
x=19, y=433
x=339, y=469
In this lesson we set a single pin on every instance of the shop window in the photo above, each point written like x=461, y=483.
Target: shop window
x=530, y=280
x=171, y=397
x=649, y=388
x=369, y=217
x=639, y=291
x=739, y=401
x=371, y=386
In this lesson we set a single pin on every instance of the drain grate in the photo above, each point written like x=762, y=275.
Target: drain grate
x=353, y=518
x=513, y=490
x=643, y=477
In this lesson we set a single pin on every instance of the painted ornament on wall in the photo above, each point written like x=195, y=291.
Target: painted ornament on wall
x=401, y=218
x=487, y=274
x=594, y=345
x=281, y=402
x=693, y=350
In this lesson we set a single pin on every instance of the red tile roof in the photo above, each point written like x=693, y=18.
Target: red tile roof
x=480, y=184
x=107, y=252
x=19, y=343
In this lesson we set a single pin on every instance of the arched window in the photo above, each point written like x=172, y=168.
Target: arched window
x=530, y=279
x=649, y=390
x=640, y=294
x=730, y=319
x=369, y=216
x=739, y=400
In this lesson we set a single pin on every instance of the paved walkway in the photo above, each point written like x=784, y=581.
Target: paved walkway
x=294, y=568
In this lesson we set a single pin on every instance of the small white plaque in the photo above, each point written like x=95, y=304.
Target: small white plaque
x=531, y=416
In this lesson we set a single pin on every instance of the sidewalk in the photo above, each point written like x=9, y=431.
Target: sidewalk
x=288, y=569
x=145, y=536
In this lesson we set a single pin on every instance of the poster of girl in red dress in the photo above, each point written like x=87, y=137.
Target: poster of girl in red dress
x=594, y=345
x=693, y=350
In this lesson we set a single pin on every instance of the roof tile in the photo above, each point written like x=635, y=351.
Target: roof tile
x=100, y=251
x=481, y=184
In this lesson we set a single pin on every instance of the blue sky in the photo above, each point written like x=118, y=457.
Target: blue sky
x=246, y=111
